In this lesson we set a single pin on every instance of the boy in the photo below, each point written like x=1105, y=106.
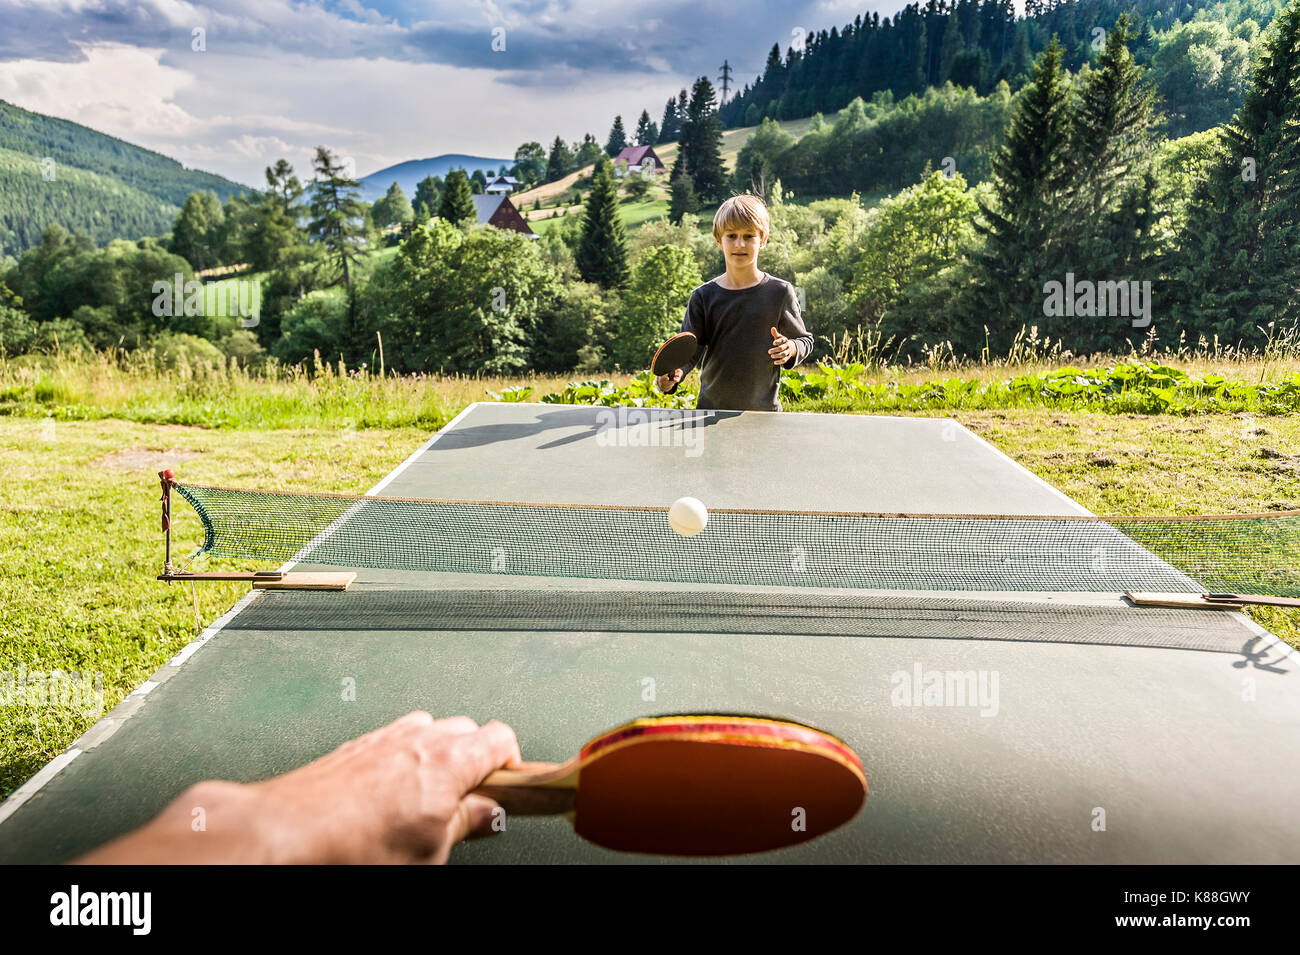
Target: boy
x=747, y=321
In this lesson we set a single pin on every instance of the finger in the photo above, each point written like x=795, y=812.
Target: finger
x=677, y=375
x=472, y=756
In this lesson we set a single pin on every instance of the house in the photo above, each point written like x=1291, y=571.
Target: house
x=502, y=185
x=640, y=159
x=499, y=211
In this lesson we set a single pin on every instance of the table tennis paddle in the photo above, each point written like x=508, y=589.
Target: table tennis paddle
x=677, y=352
x=694, y=785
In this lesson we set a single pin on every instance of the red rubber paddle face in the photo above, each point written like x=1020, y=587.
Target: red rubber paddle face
x=715, y=786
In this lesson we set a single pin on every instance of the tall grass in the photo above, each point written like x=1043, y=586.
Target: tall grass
x=860, y=373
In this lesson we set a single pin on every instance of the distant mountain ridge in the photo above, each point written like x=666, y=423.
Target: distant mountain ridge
x=57, y=171
x=408, y=174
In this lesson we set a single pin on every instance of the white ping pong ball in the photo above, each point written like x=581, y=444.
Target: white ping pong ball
x=687, y=516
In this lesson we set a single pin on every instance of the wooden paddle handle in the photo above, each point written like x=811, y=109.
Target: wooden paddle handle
x=533, y=789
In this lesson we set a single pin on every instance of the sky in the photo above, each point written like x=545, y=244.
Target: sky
x=230, y=87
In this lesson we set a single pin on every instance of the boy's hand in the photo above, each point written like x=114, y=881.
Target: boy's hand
x=782, y=349
x=667, y=383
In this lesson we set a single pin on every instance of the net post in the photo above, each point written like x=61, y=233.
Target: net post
x=166, y=478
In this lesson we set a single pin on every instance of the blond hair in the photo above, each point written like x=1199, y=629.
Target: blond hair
x=741, y=212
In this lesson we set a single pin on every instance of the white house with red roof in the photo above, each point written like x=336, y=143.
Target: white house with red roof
x=641, y=159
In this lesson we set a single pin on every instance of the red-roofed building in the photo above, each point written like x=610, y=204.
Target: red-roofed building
x=640, y=159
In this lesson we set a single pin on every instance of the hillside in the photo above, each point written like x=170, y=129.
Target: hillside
x=102, y=185
x=408, y=174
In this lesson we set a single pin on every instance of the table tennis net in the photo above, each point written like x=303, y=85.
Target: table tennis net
x=1240, y=554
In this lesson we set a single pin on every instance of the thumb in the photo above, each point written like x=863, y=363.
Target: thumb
x=775, y=333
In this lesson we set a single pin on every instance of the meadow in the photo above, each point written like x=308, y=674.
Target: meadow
x=82, y=439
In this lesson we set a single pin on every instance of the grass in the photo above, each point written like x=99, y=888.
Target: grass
x=81, y=442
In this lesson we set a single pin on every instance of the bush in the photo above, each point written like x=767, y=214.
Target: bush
x=241, y=345
x=178, y=350
x=318, y=322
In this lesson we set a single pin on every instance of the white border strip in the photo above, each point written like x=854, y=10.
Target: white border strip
x=108, y=724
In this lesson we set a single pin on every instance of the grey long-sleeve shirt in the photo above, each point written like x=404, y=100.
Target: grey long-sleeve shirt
x=734, y=328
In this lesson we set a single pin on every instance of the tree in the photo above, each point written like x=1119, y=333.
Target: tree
x=427, y=191
x=950, y=45
x=457, y=205
x=392, y=208
x=1020, y=228
x=560, y=162
x=661, y=286
x=338, y=223
x=682, y=199
x=275, y=231
x=1201, y=71
x=617, y=138
x=197, y=233
x=1238, y=271
x=1108, y=216
x=587, y=152
x=700, y=156
x=643, y=130
x=463, y=302
x=601, y=256
x=912, y=238
x=530, y=161
x=670, y=127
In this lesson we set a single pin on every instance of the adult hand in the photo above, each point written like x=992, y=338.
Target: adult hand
x=402, y=793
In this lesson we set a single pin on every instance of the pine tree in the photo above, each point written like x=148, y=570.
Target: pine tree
x=393, y=207
x=700, y=155
x=1239, y=268
x=671, y=125
x=949, y=46
x=1112, y=124
x=682, y=200
x=601, y=255
x=1021, y=229
x=338, y=224
x=427, y=192
x=643, y=127
x=617, y=138
x=560, y=162
x=457, y=204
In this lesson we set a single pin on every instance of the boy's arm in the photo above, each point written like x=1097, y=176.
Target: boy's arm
x=791, y=325
x=693, y=322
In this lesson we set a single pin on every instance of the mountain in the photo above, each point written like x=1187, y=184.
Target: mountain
x=408, y=174
x=53, y=170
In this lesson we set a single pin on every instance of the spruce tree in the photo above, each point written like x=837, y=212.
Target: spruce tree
x=1107, y=217
x=338, y=224
x=457, y=205
x=1239, y=267
x=643, y=127
x=1021, y=248
x=560, y=162
x=601, y=255
x=682, y=200
x=427, y=191
x=700, y=155
x=617, y=138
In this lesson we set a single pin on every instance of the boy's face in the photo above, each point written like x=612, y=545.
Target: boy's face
x=740, y=244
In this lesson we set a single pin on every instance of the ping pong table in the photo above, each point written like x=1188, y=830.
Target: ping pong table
x=1004, y=727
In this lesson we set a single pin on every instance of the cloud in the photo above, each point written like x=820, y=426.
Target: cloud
x=382, y=81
